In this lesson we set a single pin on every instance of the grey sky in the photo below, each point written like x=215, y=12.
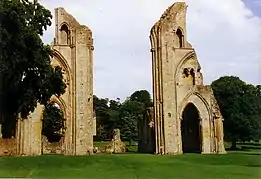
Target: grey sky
x=225, y=33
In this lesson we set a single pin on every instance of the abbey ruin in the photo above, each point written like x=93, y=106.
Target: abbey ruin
x=185, y=116
x=73, y=52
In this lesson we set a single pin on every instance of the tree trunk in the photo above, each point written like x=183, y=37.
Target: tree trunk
x=130, y=142
x=234, y=145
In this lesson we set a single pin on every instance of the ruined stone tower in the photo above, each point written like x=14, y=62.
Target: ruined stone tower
x=186, y=115
x=74, y=42
x=73, y=52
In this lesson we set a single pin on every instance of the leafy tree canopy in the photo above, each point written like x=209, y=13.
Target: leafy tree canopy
x=27, y=76
x=111, y=114
x=53, y=122
x=142, y=96
x=240, y=106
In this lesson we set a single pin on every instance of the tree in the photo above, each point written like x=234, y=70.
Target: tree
x=26, y=75
x=128, y=127
x=130, y=113
x=257, y=117
x=53, y=122
x=101, y=107
x=113, y=121
x=239, y=107
x=101, y=133
x=111, y=114
x=114, y=105
x=142, y=96
x=107, y=115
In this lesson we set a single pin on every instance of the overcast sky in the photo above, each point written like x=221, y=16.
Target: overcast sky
x=225, y=33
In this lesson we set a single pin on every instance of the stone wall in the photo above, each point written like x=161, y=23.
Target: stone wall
x=74, y=43
x=178, y=81
x=52, y=148
x=7, y=147
x=73, y=51
x=29, y=133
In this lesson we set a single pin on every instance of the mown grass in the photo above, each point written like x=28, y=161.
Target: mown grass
x=235, y=165
x=130, y=148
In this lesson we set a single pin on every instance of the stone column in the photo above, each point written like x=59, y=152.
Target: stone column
x=18, y=136
x=220, y=137
x=206, y=142
x=214, y=137
x=0, y=130
x=31, y=133
x=153, y=52
x=183, y=41
x=179, y=138
x=84, y=93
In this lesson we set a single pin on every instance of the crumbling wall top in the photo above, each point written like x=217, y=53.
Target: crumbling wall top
x=64, y=17
x=170, y=14
x=173, y=9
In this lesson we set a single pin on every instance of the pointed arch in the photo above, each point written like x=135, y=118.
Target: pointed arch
x=191, y=129
x=180, y=36
x=205, y=118
x=189, y=99
x=188, y=56
x=60, y=102
x=63, y=62
x=65, y=34
x=64, y=23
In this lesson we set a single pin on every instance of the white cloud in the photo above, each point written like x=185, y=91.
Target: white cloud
x=225, y=34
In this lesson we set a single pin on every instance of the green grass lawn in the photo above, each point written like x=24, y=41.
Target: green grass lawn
x=234, y=165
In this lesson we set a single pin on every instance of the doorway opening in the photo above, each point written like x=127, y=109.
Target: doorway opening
x=191, y=130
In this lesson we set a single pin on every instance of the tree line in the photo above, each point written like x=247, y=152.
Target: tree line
x=27, y=78
x=239, y=102
x=111, y=114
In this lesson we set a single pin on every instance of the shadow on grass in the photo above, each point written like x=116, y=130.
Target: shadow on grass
x=249, y=147
x=254, y=154
x=236, y=149
x=245, y=147
x=250, y=144
x=253, y=165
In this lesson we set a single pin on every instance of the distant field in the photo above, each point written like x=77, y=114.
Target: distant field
x=235, y=165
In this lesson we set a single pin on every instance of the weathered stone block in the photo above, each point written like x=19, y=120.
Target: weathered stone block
x=116, y=145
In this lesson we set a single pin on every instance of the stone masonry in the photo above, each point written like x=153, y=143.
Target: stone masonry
x=178, y=82
x=185, y=116
x=73, y=52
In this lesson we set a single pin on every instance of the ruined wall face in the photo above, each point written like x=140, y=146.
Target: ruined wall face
x=94, y=124
x=84, y=92
x=75, y=44
x=177, y=81
x=7, y=147
x=73, y=52
x=52, y=148
x=29, y=133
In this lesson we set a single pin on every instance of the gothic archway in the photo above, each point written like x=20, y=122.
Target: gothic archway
x=53, y=128
x=65, y=35
x=53, y=122
x=180, y=38
x=191, y=130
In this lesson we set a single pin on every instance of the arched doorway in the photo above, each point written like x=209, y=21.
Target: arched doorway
x=190, y=130
x=52, y=129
